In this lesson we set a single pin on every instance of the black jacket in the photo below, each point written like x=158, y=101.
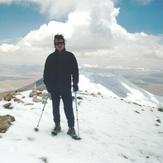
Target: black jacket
x=61, y=69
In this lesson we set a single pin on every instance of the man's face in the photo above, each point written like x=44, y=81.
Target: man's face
x=59, y=44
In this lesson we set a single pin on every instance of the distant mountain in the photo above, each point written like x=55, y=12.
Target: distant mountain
x=115, y=86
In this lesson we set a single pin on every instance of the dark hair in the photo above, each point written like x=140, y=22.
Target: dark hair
x=58, y=37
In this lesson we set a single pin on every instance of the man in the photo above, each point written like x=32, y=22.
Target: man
x=61, y=69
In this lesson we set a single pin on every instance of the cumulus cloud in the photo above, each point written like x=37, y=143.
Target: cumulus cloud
x=8, y=48
x=54, y=8
x=92, y=33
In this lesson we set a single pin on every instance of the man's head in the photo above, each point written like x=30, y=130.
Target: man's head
x=59, y=42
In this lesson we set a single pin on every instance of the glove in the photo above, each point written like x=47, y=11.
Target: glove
x=75, y=88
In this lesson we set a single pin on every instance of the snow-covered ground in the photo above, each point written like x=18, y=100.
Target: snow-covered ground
x=112, y=130
x=119, y=87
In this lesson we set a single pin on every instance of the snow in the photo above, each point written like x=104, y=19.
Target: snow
x=112, y=130
x=118, y=86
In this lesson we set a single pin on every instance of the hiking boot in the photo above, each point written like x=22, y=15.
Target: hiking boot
x=71, y=132
x=56, y=129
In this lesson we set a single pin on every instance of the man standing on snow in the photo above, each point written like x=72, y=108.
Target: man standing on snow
x=61, y=69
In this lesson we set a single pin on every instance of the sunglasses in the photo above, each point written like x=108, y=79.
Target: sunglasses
x=59, y=43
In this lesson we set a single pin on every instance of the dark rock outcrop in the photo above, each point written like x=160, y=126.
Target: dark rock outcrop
x=6, y=122
x=8, y=106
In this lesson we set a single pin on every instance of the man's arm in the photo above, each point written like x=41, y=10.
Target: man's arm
x=75, y=74
x=46, y=74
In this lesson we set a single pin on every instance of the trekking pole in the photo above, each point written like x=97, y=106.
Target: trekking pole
x=45, y=99
x=77, y=115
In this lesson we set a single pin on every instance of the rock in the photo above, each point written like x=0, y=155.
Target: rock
x=5, y=122
x=93, y=94
x=158, y=120
x=44, y=159
x=137, y=112
x=80, y=98
x=136, y=104
x=18, y=100
x=8, y=97
x=36, y=99
x=17, y=93
x=30, y=138
x=29, y=103
x=39, y=93
x=160, y=109
x=124, y=156
x=99, y=93
x=40, y=88
x=33, y=93
x=8, y=106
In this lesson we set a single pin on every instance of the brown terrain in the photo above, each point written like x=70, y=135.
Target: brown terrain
x=156, y=89
x=9, y=85
x=18, y=85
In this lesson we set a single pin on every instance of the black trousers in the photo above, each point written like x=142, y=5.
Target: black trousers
x=66, y=97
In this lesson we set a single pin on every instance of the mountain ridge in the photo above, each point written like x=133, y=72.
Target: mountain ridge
x=115, y=85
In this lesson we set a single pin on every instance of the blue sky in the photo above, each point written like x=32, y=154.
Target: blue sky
x=17, y=20
x=136, y=17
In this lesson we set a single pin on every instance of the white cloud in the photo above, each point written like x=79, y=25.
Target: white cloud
x=8, y=48
x=92, y=32
x=54, y=8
